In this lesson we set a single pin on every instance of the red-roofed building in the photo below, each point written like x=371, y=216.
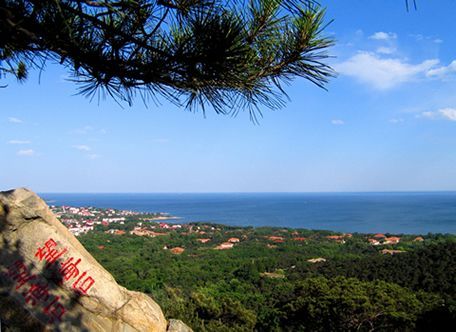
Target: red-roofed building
x=203, y=240
x=335, y=237
x=224, y=246
x=392, y=240
x=374, y=242
x=379, y=236
x=299, y=239
x=233, y=240
x=177, y=250
x=277, y=239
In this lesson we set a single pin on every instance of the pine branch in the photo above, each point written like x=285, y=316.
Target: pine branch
x=196, y=53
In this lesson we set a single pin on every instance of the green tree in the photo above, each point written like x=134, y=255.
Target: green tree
x=347, y=304
x=229, y=55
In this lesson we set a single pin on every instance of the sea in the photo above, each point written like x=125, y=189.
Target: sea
x=395, y=212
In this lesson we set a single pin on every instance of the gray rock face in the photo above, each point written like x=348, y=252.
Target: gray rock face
x=48, y=279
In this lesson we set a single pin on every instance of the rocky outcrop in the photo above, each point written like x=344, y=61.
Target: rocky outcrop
x=177, y=326
x=49, y=280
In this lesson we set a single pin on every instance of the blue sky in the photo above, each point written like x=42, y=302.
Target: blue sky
x=386, y=123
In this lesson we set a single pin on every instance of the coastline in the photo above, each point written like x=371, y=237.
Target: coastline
x=407, y=213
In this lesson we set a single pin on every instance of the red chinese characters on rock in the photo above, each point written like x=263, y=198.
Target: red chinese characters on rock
x=35, y=289
x=19, y=273
x=67, y=270
x=54, y=310
x=37, y=293
x=49, y=253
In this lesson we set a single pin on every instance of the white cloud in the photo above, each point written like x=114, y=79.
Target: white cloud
x=442, y=71
x=13, y=141
x=26, y=153
x=383, y=36
x=448, y=113
x=386, y=50
x=396, y=120
x=338, y=122
x=14, y=120
x=444, y=113
x=82, y=147
x=420, y=37
x=383, y=73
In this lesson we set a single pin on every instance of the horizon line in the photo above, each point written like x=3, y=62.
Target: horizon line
x=251, y=192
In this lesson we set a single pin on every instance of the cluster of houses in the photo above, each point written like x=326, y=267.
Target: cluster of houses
x=142, y=231
x=382, y=239
x=80, y=220
x=339, y=238
x=228, y=244
x=223, y=246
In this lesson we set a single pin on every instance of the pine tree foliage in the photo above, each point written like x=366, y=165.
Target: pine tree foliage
x=230, y=55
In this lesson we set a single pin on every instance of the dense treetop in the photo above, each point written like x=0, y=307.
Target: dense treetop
x=266, y=282
x=230, y=55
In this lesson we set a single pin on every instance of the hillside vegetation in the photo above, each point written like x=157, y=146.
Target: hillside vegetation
x=262, y=280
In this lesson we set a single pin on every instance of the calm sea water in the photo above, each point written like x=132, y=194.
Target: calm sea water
x=413, y=213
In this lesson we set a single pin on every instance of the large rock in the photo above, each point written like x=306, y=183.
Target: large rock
x=176, y=325
x=48, y=279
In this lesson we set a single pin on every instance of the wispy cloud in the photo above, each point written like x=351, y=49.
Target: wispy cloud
x=396, y=120
x=443, y=71
x=383, y=73
x=338, y=122
x=26, y=153
x=82, y=147
x=18, y=142
x=383, y=36
x=14, y=120
x=386, y=50
x=444, y=113
x=87, y=151
x=420, y=37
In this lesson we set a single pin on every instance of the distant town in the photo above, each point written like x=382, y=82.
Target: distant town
x=80, y=220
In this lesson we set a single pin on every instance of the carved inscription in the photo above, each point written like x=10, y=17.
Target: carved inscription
x=67, y=270
x=35, y=289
